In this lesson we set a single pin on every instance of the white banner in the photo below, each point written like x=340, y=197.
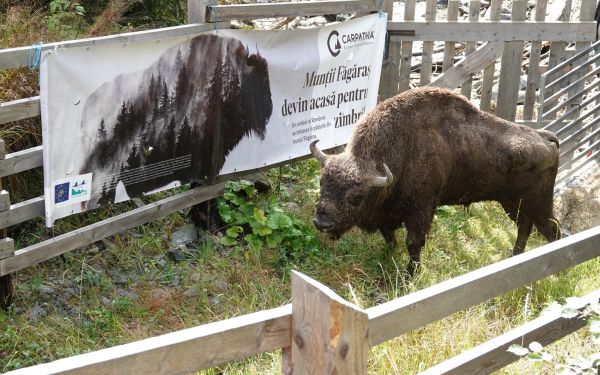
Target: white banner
x=138, y=118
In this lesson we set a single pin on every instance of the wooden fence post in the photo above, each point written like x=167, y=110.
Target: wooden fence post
x=329, y=334
x=7, y=245
x=390, y=68
x=510, y=70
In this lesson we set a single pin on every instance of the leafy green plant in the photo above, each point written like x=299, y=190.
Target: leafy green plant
x=263, y=223
x=66, y=18
x=573, y=308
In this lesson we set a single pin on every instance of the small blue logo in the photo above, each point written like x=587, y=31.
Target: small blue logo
x=61, y=192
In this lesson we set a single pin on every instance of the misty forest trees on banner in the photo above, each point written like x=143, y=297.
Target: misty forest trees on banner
x=193, y=106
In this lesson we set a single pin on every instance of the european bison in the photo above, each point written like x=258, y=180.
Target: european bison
x=440, y=150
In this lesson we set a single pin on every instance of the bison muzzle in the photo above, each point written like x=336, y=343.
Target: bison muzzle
x=429, y=147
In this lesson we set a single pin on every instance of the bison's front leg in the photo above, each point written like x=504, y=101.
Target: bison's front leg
x=417, y=228
x=390, y=242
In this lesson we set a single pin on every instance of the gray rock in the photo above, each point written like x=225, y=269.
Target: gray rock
x=222, y=285
x=260, y=181
x=105, y=301
x=176, y=281
x=94, y=250
x=46, y=290
x=292, y=207
x=121, y=280
x=129, y=294
x=177, y=254
x=76, y=310
x=191, y=292
x=184, y=236
x=36, y=313
x=196, y=276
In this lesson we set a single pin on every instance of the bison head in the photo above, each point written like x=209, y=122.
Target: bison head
x=345, y=184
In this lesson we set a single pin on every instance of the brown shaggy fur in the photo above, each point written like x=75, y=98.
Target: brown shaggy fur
x=441, y=150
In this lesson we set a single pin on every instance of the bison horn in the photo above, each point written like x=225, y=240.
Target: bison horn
x=380, y=181
x=320, y=155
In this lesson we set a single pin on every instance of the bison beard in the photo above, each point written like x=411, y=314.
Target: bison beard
x=441, y=150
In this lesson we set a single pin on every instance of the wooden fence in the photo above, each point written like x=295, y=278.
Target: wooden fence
x=505, y=44
x=319, y=332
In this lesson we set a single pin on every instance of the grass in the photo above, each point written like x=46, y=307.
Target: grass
x=129, y=290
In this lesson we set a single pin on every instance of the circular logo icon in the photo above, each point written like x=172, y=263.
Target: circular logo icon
x=333, y=43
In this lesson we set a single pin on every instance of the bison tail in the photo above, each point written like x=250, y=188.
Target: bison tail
x=549, y=136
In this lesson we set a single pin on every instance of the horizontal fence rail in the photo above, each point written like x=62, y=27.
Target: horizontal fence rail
x=84, y=236
x=19, y=57
x=493, y=355
x=19, y=109
x=415, y=310
x=21, y=161
x=183, y=351
x=493, y=31
x=216, y=13
x=238, y=338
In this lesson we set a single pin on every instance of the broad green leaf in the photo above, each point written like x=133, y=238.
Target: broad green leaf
x=274, y=239
x=262, y=230
x=259, y=215
x=553, y=308
x=575, y=303
x=247, y=209
x=254, y=241
x=234, y=231
x=569, y=313
x=279, y=220
x=228, y=241
x=535, y=346
x=535, y=356
x=517, y=349
x=595, y=325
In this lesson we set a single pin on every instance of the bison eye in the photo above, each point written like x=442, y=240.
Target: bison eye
x=355, y=200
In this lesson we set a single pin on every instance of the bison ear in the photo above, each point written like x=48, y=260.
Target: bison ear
x=320, y=155
x=382, y=181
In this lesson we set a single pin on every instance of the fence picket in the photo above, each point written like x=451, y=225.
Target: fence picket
x=406, y=49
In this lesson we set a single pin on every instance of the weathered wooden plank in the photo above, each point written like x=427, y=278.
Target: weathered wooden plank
x=19, y=57
x=470, y=47
x=2, y=149
x=487, y=84
x=184, y=351
x=21, y=212
x=493, y=355
x=390, y=68
x=504, y=31
x=4, y=200
x=83, y=236
x=557, y=48
x=427, y=59
x=7, y=247
x=510, y=69
x=415, y=310
x=449, y=46
x=329, y=334
x=287, y=9
x=19, y=109
x=406, y=49
x=533, y=71
x=197, y=11
x=463, y=70
x=20, y=161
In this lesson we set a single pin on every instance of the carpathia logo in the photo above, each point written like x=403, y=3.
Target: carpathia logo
x=355, y=39
x=333, y=43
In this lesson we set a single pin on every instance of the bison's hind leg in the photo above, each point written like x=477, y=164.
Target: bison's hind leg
x=548, y=227
x=524, y=224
